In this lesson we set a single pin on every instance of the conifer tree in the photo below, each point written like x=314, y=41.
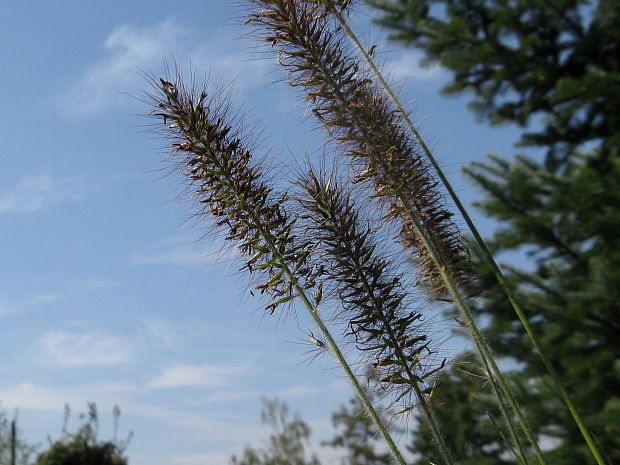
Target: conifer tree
x=551, y=67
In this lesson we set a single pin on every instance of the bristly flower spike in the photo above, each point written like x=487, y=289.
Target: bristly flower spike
x=229, y=187
x=338, y=9
x=313, y=50
x=375, y=303
x=367, y=129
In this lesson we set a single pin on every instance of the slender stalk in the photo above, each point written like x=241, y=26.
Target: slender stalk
x=316, y=50
x=478, y=238
x=335, y=350
x=520, y=455
x=232, y=189
x=353, y=254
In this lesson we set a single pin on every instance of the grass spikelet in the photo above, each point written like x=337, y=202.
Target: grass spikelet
x=361, y=119
x=372, y=297
x=374, y=301
x=312, y=48
x=228, y=186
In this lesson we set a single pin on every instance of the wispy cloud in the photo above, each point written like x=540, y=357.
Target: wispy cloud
x=180, y=251
x=182, y=255
x=183, y=375
x=70, y=290
x=72, y=349
x=127, y=50
x=407, y=66
x=32, y=193
x=24, y=302
x=32, y=396
x=298, y=391
x=207, y=458
x=227, y=395
x=130, y=48
x=159, y=330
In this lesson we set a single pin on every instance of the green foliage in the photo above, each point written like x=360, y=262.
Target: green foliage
x=567, y=222
x=356, y=434
x=83, y=447
x=23, y=450
x=469, y=416
x=287, y=443
x=553, y=63
x=555, y=59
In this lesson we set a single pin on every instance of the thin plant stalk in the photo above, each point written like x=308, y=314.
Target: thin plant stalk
x=232, y=188
x=352, y=254
x=542, y=353
x=337, y=353
x=519, y=452
x=305, y=36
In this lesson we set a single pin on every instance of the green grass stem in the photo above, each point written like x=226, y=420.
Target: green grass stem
x=478, y=238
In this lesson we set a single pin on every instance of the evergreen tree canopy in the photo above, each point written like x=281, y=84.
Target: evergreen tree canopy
x=553, y=68
x=553, y=62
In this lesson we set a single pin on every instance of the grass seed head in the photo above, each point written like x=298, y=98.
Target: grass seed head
x=229, y=187
x=375, y=303
x=316, y=55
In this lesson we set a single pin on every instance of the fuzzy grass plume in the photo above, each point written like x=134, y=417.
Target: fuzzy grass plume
x=229, y=187
x=337, y=9
x=367, y=128
x=313, y=49
x=374, y=301
x=372, y=296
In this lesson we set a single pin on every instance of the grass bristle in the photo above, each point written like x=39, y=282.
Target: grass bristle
x=315, y=54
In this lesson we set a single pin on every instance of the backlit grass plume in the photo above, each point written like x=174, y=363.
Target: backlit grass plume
x=313, y=49
x=230, y=187
x=337, y=8
x=367, y=128
x=372, y=296
x=374, y=301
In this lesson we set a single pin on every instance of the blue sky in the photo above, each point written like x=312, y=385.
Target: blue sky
x=105, y=295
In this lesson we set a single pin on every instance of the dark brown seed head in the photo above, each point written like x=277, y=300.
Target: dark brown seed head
x=228, y=187
x=376, y=307
x=368, y=129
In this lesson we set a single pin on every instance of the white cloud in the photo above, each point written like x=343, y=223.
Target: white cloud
x=181, y=251
x=213, y=458
x=23, y=302
x=127, y=50
x=32, y=193
x=130, y=49
x=298, y=391
x=31, y=396
x=182, y=375
x=227, y=395
x=184, y=256
x=407, y=66
x=159, y=330
x=72, y=289
x=85, y=349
